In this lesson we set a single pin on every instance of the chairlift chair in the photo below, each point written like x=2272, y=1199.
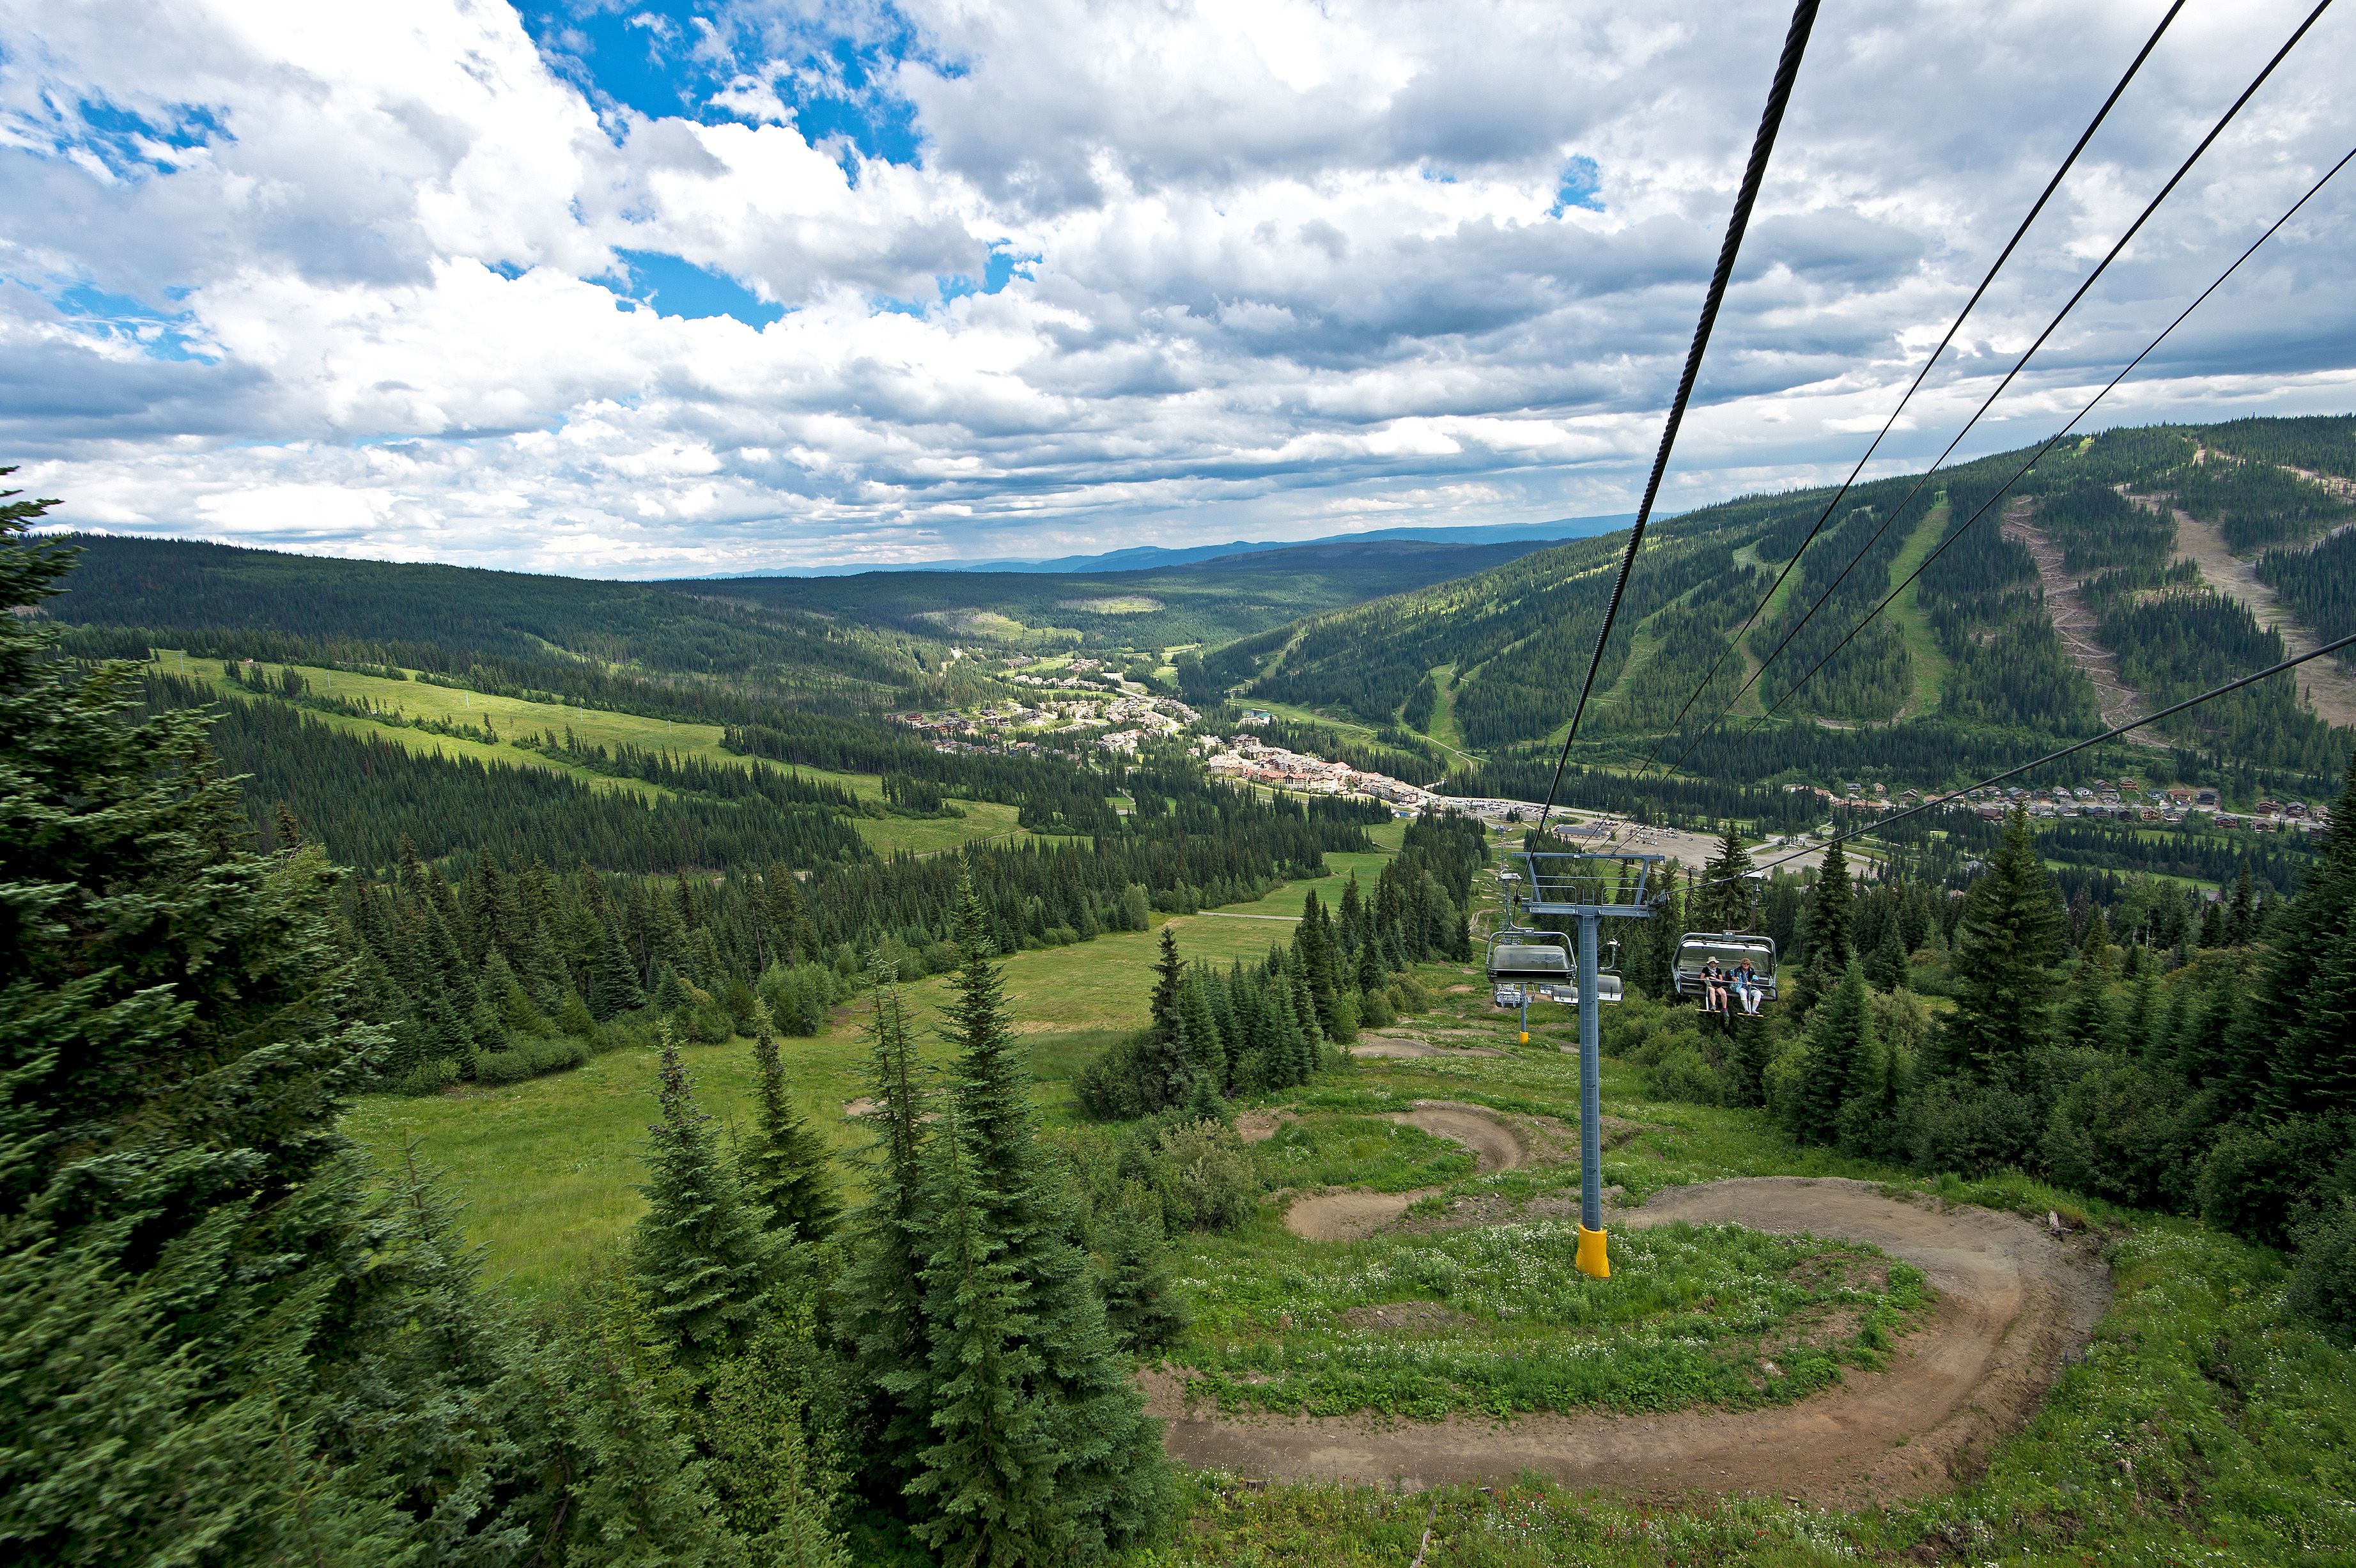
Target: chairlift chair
x=1520, y=957
x=1696, y=949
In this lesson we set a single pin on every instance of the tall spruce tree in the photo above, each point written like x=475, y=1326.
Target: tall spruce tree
x=221, y=1343
x=1103, y=1463
x=882, y=1292
x=2089, y=1021
x=785, y=1167
x=700, y=1253
x=2298, y=1026
x=2011, y=930
x=1726, y=898
x=1841, y=1060
x=1164, y=1067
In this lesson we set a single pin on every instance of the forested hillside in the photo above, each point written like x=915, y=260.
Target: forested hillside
x=1963, y=663
x=1210, y=601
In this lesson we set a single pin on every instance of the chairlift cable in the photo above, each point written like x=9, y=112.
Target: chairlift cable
x=2039, y=455
x=1969, y=305
x=2051, y=328
x=1770, y=120
x=1952, y=797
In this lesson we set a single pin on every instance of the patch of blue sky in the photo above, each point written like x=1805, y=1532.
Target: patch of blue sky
x=675, y=287
x=1581, y=185
x=118, y=317
x=1437, y=176
x=691, y=59
x=1001, y=267
x=126, y=143
x=1004, y=266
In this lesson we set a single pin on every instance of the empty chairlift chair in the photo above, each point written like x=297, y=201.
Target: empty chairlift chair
x=1540, y=963
x=1730, y=949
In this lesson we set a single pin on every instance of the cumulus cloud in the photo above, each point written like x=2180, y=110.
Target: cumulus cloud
x=667, y=286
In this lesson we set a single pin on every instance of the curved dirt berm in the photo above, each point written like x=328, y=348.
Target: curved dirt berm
x=1351, y=1216
x=2012, y=1303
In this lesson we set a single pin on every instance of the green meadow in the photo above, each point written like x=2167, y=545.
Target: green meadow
x=512, y=718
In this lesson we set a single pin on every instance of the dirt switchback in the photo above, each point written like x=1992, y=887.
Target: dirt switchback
x=2013, y=1301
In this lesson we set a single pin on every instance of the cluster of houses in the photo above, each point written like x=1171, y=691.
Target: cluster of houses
x=1127, y=719
x=2123, y=799
x=1249, y=759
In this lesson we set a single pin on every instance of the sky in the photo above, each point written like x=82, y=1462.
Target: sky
x=693, y=286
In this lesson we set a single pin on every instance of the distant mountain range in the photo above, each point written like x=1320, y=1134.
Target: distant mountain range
x=1148, y=557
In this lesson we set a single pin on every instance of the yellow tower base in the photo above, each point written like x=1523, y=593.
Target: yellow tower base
x=1526, y=1036
x=1592, y=1258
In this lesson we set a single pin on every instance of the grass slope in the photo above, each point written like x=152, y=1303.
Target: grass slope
x=549, y=1167
x=513, y=717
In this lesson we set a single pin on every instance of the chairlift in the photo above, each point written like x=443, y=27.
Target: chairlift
x=1730, y=949
x=1521, y=957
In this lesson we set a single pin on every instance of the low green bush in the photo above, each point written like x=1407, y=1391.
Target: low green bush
x=430, y=1077
x=502, y=1067
x=1204, y=1175
x=2323, y=1287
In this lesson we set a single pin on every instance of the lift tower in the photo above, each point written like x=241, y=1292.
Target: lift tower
x=1588, y=888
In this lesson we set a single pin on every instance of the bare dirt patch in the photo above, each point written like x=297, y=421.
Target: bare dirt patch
x=2013, y=1301
x=1395, y=1050
x=1406, y=1046
x=859, y=1107
x=1412, y=1315
x=1260, y=1126
x=1345, y=1216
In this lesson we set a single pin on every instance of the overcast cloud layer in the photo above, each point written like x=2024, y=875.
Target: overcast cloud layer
x=627, y=290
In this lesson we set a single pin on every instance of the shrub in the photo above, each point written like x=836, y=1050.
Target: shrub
x=1374, y=1011
x=2263, y=1183
x=1204, y=1175
x=1408, y=994
x=798, y=995
x=430, y=1077
x=552, y=1056
x=1110, y=1086
x=2323, y=1287
x=1972, y=1129
x=1684, y=1073
x=2112, y=1134
x=502, y=1067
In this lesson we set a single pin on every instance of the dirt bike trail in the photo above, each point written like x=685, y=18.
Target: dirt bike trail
x=2013, y=1303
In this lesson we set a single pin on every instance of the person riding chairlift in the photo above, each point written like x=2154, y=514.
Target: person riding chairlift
x=1713, y=986
x=1745, y=980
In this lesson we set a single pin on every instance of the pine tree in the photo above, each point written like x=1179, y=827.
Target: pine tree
x=1142, y=1307
x=883, y=1291
x=1840, y=1061
x=177, y=1040
x=988, y=1480
x=1887, y=966
x=1829, y=912
x=2011, y=930
x=1206, y=1051
x=1164, y=1067
x=785, y=1167
x=1725, y=902
x=699, y=1251
x=2088, y=1023
x=1314, y=940
x=1103, y=1456
x=2242, y=914
x=2299, y=1020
